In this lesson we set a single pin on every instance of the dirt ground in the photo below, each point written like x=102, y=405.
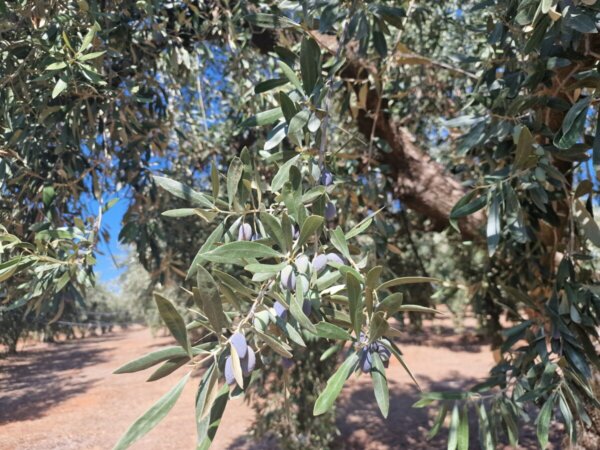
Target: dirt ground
x=63, y=396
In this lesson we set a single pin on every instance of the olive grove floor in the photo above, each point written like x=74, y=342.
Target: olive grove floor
x=63, y=396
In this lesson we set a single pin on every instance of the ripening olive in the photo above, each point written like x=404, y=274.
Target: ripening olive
x=229, y=378
x=330, y=211
x=326, y=178
x=288, y=279
x=248, y=362
x=280, y=310
x=302, y=264
x=245, y=232
x=295, y=232
x=334, y=258
x=365, y=362
x=319, y=262
x=238, y=341
x=306, y=307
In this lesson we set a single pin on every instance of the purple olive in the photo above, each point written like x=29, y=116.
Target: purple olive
x=365, y=360
x=319, y=262
x=287, y=363
x=302, y=264
x=306, y=307
x=384, y=354
x=326, y=178
x=288, y=279
x=334, y=258
x=280, y=310
x=304, y=282
x=330, y=211
x=245, y=232
x=229, y=378
x=238, y=341
x=248, y=363
x=295, y=232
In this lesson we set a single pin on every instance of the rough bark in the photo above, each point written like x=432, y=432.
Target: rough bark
x=421, y=184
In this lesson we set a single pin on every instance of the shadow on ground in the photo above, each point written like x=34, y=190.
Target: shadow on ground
x=362, y=426
x=445, y=337
x=35, y=380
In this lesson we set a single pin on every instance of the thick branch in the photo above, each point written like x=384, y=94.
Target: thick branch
x=422, y=184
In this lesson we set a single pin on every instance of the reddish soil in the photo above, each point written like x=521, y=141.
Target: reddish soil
x=63, y=396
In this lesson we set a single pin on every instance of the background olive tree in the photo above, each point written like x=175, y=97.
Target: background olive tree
x=472, y=124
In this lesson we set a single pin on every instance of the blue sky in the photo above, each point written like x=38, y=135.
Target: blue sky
x=106, y=269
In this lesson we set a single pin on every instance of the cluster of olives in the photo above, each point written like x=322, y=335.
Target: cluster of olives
x=298, y=272
x=366, y=360
x=246, y=355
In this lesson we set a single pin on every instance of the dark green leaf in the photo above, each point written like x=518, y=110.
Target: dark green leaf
x=208, y=299
x=334, y=385
x=296, y=307
x=298, y=122
x=276, y=345
x=310, y=226
x=439, y=421
x=208, y=426
x=330, y=331
x=463, y=430
x=493, y=225
x=391, y=303
x=290, y=75
x=407, y=280
x=168, y=368
x=380, y=386
x=263, y=118
x=339, y=242
x=270, y=84
x=378, y=327
x=573, y=125
x=152, y=359
x=543, y=421
x=355, y=302
x=153, y=416
x=234, y=175
x=214, y=237
x=468, y=205
x=174, y=321
x=181, y=191
x=273, y=228
x=233, y=251
x=282, y=175
x=271, y=21
x=310, y=64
